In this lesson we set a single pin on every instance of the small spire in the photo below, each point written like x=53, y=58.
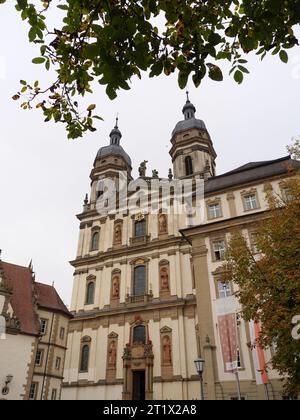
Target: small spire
x=116, y=135
x=188, y=109
x=86, y=200
x=187, y=96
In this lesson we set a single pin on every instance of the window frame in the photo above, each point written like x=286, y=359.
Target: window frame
x=41, y=359
x=87, y=293
x=188, y=166
x=82, y=369
x=94, y=246
x=36, y=387
x=215, y=203
x=58, y=361
x=54, y=391
x=144, y=338
x=135, y=279
x=45, y=329
x=214, y=255
x=62, y=333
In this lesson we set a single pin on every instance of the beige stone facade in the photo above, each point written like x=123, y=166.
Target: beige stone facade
x=145, y=296
x=33, y=340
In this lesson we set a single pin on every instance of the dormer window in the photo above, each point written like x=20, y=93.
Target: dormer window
x=189, y=166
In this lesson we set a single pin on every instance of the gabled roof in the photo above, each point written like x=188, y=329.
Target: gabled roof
x=48, y=298
x=28, y=296
x=251, y=172
x=19, y=280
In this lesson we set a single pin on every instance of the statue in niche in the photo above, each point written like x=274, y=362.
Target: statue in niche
x=167, y=350
x=164, y=278
x=116, y=287
x=163, y=224
x=143, y=168
x=118, y=234
x=112, y=354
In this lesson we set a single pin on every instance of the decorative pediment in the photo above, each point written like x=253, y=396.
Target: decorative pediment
x=166, y=330
x=164, y=262
x=139, y=261
x=91, y=277
x=113, y=335
x=86, y=339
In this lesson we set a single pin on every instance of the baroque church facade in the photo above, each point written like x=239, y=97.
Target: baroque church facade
x=148, y=297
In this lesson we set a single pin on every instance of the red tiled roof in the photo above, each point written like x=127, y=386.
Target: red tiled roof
x=48, y=298
x=19, y=279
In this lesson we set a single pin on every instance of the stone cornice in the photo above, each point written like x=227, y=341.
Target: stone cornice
x=226, y=224
x=127, y=251
x=132, y=308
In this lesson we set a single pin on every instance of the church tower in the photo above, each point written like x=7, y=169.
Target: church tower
x=109, y=162
x=192, y=149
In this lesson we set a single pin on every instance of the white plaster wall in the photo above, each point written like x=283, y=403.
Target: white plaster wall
x=16, y=352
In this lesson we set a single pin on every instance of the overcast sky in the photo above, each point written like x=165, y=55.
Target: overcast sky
x=44, y=176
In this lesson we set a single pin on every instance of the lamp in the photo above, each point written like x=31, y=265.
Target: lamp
x=199, y=364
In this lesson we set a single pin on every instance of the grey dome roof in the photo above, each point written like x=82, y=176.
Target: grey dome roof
x=113, y=149
x=187, y=124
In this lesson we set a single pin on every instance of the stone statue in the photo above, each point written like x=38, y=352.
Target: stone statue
x=163, y=225
x=112, y=354
x=116, y=287
x=155, y=174
x=167, y=350
x=164, y=278
x=118, y=234
x=143, y=168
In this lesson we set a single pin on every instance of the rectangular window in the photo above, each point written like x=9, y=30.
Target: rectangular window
x=57, y=363
x=214, y=211
x=250, y=202
x=62, y=333
x=43, y=326
x=219, y=250
x=139, y=281
x=140, y=229
x=33, y=391
x=39, y=357
x=54, y=394
x=224, y=289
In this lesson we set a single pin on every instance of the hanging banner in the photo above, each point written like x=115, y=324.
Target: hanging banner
x=226, y=310
x=258, y=355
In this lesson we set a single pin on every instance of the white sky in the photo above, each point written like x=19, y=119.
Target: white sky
x=44, y=176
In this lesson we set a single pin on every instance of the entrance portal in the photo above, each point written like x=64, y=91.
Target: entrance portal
x=138, y=383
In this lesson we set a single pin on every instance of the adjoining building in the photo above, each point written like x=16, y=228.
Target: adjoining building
x=138, y=278
x=34, y=327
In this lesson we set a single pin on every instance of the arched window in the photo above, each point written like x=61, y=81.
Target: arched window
x=84, y=361
x=90, y=291
x=139, y=281
x=188, y=166
x=95, y=241
x=139, y=334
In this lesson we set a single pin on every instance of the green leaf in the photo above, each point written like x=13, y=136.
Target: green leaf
x=243, y=69
x=284, y=56
x=182, y=79
x=238, y=77
x=215, y=73
x=39, y=60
